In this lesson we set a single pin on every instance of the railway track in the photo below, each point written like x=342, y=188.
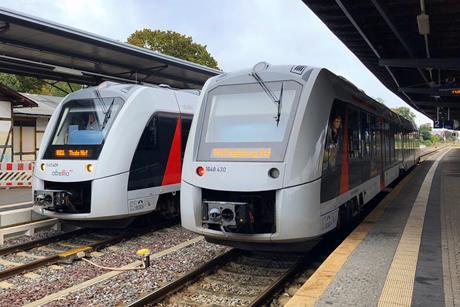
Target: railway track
x=41, y=242
x=57, y=251
x=234, y=278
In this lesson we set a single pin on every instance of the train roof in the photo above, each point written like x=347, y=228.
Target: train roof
x=304, y=72
x=113, y=89
x=381, y=108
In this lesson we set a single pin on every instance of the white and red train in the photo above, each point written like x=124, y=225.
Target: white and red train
x=113, y=152
x=281, y=155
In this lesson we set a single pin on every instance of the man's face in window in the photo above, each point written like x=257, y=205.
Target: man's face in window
x=336, y=123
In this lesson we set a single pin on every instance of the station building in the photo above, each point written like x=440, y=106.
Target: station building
x=23, y=119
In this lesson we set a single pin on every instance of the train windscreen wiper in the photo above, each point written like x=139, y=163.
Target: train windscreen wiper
x=108, y=114
x=270, y=94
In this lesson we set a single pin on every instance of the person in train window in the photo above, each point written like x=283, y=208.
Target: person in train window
x=92, y=122
x=332, y=143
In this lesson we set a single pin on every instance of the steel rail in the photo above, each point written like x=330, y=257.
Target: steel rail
x=85, y=248
x=278, y=283
x=174, y=286
x=41, y=242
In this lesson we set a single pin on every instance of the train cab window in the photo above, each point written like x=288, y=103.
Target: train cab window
x=86, y=122
x=82, y=127
x=242, y=122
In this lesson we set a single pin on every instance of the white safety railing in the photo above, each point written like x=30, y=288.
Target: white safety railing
x=16, y=174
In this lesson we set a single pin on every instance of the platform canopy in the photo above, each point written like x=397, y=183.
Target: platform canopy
x=412, y=46
x=35, y=47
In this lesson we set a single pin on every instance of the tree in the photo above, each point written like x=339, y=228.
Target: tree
x=173, y=44
x=21, y=83
x=406, y=113
x=36, y=86
x=425, y=131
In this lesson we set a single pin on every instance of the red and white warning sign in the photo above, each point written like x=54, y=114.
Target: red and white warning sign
x=16, y=174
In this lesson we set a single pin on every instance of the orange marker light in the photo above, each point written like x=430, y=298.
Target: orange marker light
x=200, y=171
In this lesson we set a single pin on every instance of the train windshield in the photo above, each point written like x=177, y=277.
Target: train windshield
x=241, y=121
x=83, y=126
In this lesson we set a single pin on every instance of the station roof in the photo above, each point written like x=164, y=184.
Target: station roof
x=424, y=70
x=40, y=48
x=17, y=100
x=45, y=105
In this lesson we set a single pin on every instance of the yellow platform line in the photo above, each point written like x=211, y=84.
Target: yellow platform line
x=399, y=284
x=314, y=287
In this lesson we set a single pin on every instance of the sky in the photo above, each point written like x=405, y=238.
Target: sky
x=237, y=33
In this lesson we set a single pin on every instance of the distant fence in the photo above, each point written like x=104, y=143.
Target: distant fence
x=16, y=174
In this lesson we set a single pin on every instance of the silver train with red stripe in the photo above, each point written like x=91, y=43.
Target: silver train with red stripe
x=112, y=152
x=278, y=156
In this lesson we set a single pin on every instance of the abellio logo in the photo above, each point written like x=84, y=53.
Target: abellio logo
x=61, y=173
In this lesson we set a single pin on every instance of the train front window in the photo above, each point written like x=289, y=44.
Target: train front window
x=241, y=121
x=82, y=127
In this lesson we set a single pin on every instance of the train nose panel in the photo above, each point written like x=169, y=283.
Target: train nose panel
x=238, y=212
x=257, y=176
x=64, y=197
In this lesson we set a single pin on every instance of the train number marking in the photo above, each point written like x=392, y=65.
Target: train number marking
x=217, y=169
x=141, y=204
x=328, y=221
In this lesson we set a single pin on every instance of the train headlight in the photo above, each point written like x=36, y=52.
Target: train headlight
x=200, y=171
x=89, y=168
x=42, y=167
x=274, y=172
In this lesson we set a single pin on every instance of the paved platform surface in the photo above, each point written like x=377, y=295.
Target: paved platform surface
x=13, y=196
x=407, y=250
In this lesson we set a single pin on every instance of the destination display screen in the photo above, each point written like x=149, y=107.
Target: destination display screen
x=76, y=153
x=72, y=153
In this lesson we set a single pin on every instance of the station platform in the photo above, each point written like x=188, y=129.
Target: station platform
x=15, y=196
x=406, y=252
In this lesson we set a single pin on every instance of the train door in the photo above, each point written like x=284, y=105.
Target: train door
x=157, y=160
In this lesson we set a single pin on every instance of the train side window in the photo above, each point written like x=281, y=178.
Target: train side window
x=375, y=145
x=354, y=150
x=365, y=135
x=334, y=138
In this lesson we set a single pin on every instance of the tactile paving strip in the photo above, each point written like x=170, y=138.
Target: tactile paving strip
x=399, y=283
